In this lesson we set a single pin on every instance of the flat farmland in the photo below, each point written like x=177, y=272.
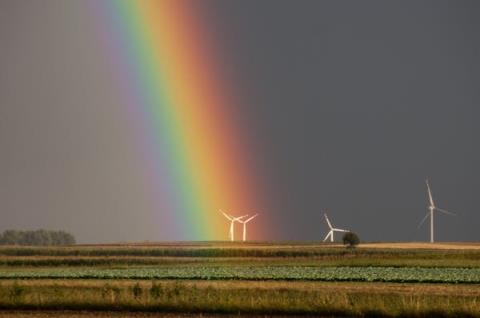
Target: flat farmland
x=221, y=278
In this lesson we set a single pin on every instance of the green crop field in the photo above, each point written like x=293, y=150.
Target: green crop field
x=316, y=273
x=247, y=279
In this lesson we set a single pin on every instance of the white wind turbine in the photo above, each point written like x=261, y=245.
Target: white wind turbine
x=332, y=230
x=232, y=220
x=245, y=226
x=432, y=208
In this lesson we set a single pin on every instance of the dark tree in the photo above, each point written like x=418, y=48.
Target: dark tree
x=350, y=239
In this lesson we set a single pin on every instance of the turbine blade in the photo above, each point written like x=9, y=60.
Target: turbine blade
x=430, y=198
x=239, y=217
x=326, y=237
x=226, y=215
x=340, y=230
x=249, y=219
x=423, y=220
x=446, y=212
x=328, y=221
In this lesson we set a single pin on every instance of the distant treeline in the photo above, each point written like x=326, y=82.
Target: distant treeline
x=37, y=237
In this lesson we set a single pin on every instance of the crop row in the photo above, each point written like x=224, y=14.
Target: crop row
x=318, y=251
x=367, y=274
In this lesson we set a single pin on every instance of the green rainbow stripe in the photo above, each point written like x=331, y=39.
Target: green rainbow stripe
x=193, y=151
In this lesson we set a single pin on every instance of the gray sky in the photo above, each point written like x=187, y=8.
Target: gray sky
x=349, y=105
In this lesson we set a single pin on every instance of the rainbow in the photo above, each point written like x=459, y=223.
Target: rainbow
x=183, y=112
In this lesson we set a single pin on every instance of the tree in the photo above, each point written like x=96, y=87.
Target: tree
x=350, y=239
x=66, y=238
x=56, y=237
x=38, y=237
x=43, y=237
x=11, y=237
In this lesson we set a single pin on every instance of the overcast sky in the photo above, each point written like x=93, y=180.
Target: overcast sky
x=350, y=105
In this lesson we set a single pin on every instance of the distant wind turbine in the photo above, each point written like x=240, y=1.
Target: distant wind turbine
x=245, y=226
x=332, y=230
x=232, y=220
x=432, y=208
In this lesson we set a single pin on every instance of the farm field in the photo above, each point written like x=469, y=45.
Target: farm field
x=185, y=279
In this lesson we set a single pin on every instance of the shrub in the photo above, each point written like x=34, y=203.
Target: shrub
x=16, y=292
x=155, y=290
x=350, y=239
x=137, y=291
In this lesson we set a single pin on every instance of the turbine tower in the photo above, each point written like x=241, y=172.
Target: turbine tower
x=432, y=208
x=232, y=220
x=332, y=230
x=245, y=226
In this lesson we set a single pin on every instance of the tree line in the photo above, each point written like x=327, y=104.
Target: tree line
x=36, y=237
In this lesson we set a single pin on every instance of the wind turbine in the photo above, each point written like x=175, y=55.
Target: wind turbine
x=245, y=226
x=232, y=220
x=332, y=230
x=431, y=209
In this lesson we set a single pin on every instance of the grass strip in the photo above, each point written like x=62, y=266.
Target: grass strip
x=187, y=297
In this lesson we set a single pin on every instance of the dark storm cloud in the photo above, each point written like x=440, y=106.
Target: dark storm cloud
x=349, y=106
x=355, y=103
